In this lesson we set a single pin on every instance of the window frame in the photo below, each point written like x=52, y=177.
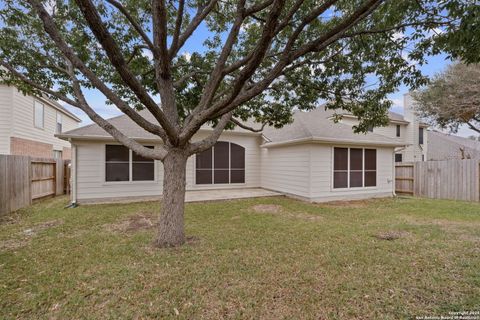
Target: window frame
x=130, y=167
x=57, y=116
x=348, y=188
x=401, y=157
x=213, y=184
x=398, y=133
x=421, y=136
x=35, y=103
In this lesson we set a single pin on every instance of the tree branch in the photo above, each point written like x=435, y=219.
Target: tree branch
x=178, y=24
x=243, y=126
x=56, y=37
x=208, y=142
x=132, y=21
x=115, y=56
x=158, y=154
x=191, y=27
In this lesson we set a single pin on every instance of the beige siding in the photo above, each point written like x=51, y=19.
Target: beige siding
x=91, y=182
x=322, y=176
x=23, y=122
x=287, y=169
x=5, y=116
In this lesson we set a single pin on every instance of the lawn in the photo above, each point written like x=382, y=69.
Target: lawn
x=268, y=258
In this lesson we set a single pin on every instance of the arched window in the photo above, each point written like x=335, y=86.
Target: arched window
x=223, y=163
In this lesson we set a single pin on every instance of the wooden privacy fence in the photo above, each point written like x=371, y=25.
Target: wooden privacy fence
x=24, y=179
x=449, y=179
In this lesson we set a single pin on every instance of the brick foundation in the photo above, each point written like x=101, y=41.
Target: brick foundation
x=26, y=147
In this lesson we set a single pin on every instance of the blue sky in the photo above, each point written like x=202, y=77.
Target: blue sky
x=434, y=65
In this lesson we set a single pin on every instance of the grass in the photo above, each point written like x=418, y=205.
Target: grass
x=268, y=258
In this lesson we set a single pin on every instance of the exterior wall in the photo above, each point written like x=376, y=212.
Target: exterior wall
x=306, y=171
x=6, y=94
x=17, y=125
x=389, y=131
x=321, y=176
x=414, y=151
x=287, y=169
x=66, y=153
x=23, y=122
x=25, y=147
x=91, y=184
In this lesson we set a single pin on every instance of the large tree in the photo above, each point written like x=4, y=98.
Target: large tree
x=255, y=59
x=452, y=98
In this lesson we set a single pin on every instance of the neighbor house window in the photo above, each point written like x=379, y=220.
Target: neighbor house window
x=398, y=157
x=354, y=167
x=221, y=164
x=58, y=128
x=420, y=136
x=370, y=129
x=398, y=130
x=121, y=164
x=38, y=115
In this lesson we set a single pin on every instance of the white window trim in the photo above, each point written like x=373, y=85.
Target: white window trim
x=35, y=114
x=332, y=180
x=207, y=185
x=130, y=169
x=56, y=121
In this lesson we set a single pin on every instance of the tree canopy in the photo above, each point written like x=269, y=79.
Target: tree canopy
x=257, y=59
x=452, y=98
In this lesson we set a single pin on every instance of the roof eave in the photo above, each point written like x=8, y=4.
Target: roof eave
x=319, y=140
x=61, y=109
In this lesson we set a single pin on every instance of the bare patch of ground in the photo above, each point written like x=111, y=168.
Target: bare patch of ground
x=346, y=204
x=140, y=221
x=278, y=209
x=27, y=234
x=267, y=208
x=392, y=235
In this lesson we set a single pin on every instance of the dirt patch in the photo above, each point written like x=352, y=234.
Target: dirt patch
x=41, y=227
x=140, y=221
x=26, y=235
x=267, y=208
x=392, y=235
x=346, y=204
x=279, y=210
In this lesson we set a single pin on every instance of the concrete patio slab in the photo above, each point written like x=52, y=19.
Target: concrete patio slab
x=195, y=196
x=227, y=194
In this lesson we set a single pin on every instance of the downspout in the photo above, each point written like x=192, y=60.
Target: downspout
x=393, y=174
x=73, y=177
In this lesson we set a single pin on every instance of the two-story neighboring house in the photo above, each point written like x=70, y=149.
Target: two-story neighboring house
x=406, y=129
x=28, y=125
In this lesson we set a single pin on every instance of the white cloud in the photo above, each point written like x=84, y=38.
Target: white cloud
x=187, y=55
x=147, y=54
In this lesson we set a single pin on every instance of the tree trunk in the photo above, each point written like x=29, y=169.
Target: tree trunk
x=171, y=229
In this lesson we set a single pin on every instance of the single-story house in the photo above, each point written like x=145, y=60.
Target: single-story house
x=313, y=159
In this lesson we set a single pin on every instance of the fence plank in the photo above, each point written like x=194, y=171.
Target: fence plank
x=450, y=179
x=23, y=179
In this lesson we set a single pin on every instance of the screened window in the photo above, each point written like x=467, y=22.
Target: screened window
x=420, y=136
x=118, y=161
x=398, y=157
x=117, y=164
x=38, y=115
x=221, y=164
x=143, y=169
x=58, y=128
x=354, y=167
x=398, y=130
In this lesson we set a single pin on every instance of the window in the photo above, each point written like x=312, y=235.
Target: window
x=121, y=164
x=57, y=154
x=38, y=115
x=223, y=163
x=398, y=130
x=420, y=136
x=354, y=167
x=143, y=169
x=58, y=128
x=117, y=163
x=370, y=129
x=398, y=157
